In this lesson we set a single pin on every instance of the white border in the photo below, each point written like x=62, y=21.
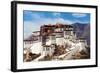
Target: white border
x=85, y=2
x=24, y=65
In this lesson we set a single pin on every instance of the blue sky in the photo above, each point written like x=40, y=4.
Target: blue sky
x=34, y=19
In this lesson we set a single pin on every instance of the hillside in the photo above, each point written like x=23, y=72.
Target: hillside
x=82, y=31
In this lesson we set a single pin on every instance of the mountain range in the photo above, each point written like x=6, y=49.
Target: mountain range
x=82, y=31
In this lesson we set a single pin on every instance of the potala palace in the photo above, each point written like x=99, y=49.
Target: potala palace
x=55, y=42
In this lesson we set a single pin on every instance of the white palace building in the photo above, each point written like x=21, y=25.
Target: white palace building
x=44, y=41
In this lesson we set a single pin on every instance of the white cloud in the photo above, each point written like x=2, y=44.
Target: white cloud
x=77, y=21
x=61, y=20
x=78, y=15
x=54, y=21
x=56, y=14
